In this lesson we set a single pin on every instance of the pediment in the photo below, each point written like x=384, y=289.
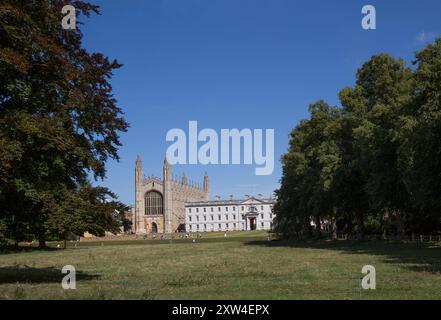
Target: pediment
x=252, y=200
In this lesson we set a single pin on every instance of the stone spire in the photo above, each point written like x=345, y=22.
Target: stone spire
x=167, y=170
x=138, y=170
x=139, y=178
x=206, y=186
x=167, y=194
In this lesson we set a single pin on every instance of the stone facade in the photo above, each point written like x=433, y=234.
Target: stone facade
x=160, y=202
x=229, y=215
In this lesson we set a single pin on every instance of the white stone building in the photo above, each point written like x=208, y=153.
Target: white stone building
x=232, y=215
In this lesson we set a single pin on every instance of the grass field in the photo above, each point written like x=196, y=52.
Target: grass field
x=242, y=266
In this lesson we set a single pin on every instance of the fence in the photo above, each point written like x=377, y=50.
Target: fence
x=412, y=238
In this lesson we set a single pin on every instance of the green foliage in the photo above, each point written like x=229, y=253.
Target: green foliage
x=376, y=160
x=59, y=121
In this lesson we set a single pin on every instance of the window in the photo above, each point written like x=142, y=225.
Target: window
x=189, y=210
x=234, y=225
x=153, y=203
x=212, y=218
x=234, y=217
x=205, y=218
x=197, y=218
x=211, y=209
x=220, y=227
x=261, y=224
x=261, y=215
x=219, y=217
x=261, y=207
x=189, y=218
x=197, y=209
x=218, y=209
x=226, y=217
x=197, y=227
x=234, y=208
x=226, y=209
x=205, y=209
x=242, y=208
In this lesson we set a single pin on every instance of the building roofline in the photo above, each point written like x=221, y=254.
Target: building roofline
x=228, y=202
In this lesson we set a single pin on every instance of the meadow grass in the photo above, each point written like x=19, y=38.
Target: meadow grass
x=245, y=265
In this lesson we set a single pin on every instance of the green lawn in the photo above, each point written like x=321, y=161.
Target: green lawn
x=242, y=266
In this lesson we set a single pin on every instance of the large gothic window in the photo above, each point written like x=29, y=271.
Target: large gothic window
x=153, y=203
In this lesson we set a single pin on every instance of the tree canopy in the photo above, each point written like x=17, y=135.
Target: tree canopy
x=371, y=164
x=59, y=123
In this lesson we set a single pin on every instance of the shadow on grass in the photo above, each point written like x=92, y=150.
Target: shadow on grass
x=23, y=249
x=26, y=274
x=420, y=257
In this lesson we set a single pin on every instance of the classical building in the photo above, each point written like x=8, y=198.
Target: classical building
x=160, y=202
x=232, y=215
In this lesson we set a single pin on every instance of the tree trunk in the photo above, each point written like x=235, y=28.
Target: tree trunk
x=400, y=224
x=383, y=218
x=42, y=242
x=318, y=227
x=360, y=226
x=308, y=228
x=334, y=229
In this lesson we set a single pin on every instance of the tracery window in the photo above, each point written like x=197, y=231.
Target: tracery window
x=154, y=203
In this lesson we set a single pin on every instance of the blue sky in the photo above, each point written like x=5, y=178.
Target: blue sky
x=238, y=64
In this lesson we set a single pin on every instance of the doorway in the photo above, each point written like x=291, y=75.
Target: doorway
x=154, y=228
x=253, y=223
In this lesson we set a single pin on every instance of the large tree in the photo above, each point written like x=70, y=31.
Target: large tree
x=375, y=159
x=422, y=141
x=306, y=191
x=373, y=110
x=59, y=120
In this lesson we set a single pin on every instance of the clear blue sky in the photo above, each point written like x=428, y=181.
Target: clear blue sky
x=238, y=64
